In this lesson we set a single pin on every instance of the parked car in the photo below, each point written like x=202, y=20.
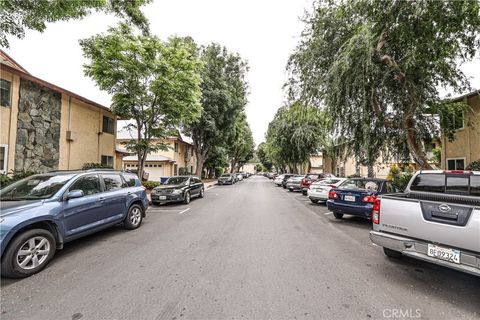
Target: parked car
x=178, y=189
x=436, y=219
x=295, y=183
x=319, y=190
x=41, y=213
x=227, y=178
x=239, y=176
x=285, y=178
x=356, y=196
x=279, y=180
x=309, y=178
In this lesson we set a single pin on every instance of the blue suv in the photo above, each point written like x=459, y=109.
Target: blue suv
x=42, y=212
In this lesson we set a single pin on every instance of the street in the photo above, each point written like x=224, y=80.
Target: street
x=247, y=251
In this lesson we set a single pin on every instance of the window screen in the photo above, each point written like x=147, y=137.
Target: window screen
x=5, y=93
x=108, y=125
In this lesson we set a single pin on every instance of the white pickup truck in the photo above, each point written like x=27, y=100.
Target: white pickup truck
x=436, y=219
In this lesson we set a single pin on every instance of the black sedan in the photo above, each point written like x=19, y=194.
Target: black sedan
x=178, y=189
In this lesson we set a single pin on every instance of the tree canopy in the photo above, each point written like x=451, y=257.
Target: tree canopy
x=18, y=15
x=224, y=96
x=155, y=83
x=240, y=146
x=376, y=67
x=296, y=132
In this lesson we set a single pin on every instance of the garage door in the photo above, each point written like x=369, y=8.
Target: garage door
x=155, y=171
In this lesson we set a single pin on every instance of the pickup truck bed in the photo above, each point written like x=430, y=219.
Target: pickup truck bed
x=437, y=227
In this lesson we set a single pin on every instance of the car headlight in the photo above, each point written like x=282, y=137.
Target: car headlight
x=178, y=191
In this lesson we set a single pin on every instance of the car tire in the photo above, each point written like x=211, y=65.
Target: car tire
x=338, y=215
x=392, y=253
x=12, y=259
x=134, y=217
x=187, y=197
x=202, y=193
x=314, y=201
x=304, y=193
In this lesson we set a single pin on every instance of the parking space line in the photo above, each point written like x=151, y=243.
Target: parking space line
x=328, y=213
x=183, y=211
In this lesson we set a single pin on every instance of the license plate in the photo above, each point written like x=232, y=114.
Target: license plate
x=349, y=198
x=441, y=253
x=162, y=197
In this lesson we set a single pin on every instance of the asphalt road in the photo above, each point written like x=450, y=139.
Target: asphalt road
x=247, y=251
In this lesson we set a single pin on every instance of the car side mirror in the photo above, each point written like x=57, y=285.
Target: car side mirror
x=74, y=194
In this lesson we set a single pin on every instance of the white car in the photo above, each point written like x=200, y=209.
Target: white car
x=278, y=180
x=318, y=191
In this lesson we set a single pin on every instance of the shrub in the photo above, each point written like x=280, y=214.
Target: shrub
x=399, y=177
x=150, y=184
x=93, y=165
x=474, y=165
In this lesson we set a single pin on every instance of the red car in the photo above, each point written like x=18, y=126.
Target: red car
x=312, y=177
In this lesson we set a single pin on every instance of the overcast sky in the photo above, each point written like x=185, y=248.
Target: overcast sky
x=263, y=32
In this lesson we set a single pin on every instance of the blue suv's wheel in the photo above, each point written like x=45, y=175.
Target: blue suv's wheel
x=28, y=253
x=134, y=217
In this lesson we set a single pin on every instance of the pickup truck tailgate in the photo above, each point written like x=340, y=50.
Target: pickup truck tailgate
x=454, y=224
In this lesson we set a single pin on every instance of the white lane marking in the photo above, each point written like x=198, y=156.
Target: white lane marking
x=328, y=213
x=183, y=211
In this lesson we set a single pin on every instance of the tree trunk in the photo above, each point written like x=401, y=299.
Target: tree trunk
x=416, y=148
x=200, y=162
x=371, y=172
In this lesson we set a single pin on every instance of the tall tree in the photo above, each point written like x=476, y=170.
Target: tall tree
x=377, y=67
x=155, y=83
x=240, y=145
x=18, y=15
x=263, y=157
x=224, y=96
x=296, y=132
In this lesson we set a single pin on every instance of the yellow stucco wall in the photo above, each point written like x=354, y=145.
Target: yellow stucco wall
x=89, y=143
x=8, y=118
x=467, y=140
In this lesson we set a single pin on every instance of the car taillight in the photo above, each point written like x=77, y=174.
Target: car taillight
x=376, y=212
x=332, y=195
x=370, y=199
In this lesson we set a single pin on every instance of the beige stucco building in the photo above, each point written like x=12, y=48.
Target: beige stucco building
x=457, y=154
x=178, y=159
x=45, y=127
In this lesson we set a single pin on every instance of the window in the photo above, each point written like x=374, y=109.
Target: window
x=113, y=182
x=107, y=161
x=3, y=157
x=108, y=125
x=5, y=93
x=131, y=179
x=175, y=169
x=457, y=185
x=457, y=120
x=475, y=185
x=429, y=183
x=89, y=185
x=456, y=164
x=175, y=147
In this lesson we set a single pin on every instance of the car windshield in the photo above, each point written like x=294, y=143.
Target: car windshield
x=364, y=184
x=34, y=187
x=177, y=181
x=225, y=175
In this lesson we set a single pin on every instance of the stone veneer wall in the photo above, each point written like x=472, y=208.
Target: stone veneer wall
x=38, y=128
